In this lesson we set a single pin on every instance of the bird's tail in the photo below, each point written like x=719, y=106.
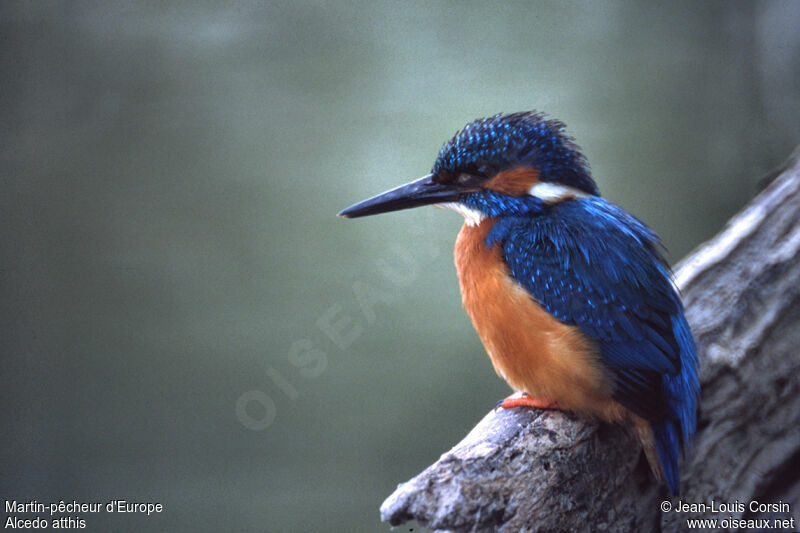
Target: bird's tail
x=644, y=434
x=675, y=433
x=666, y=435
x=661, y=448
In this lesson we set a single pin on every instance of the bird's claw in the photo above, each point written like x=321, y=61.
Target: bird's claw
x=525, y=400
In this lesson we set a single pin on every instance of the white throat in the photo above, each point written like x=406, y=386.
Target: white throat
x=472, y=217
x=548, y=192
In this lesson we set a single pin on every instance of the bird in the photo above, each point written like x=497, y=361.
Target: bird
x=570, y=294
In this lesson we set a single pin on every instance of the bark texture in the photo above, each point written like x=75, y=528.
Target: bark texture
x=548, y=471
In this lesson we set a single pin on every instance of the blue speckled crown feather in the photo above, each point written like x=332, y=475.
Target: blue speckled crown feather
x=507, y=140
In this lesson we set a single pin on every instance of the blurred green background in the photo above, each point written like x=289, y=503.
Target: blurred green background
x=184, y=319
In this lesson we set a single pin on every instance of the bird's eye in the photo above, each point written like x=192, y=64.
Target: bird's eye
x=468, y=180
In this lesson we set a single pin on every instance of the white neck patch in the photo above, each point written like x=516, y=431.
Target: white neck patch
x=471, y=216
x=550, y=193
x=554, y=192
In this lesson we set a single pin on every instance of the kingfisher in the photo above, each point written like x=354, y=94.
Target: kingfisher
x=570, y=294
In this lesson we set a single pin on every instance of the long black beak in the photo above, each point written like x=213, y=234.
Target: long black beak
x=423, y=191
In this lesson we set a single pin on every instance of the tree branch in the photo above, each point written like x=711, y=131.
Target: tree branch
x=549, y=471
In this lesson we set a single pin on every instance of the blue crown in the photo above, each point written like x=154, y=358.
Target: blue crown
x=505, y=141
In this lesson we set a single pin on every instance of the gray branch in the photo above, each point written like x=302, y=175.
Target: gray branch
x=520, y=469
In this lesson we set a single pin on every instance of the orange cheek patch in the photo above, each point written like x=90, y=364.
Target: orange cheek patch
x=514, y=182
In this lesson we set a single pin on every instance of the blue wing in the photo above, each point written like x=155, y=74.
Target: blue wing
x=593, y=265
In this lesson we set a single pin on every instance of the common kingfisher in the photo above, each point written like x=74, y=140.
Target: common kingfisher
x=569, y=293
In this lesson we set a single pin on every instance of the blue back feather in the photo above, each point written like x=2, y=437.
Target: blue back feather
x=593, y=265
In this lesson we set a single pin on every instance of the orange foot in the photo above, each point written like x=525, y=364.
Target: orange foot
x=526, y=401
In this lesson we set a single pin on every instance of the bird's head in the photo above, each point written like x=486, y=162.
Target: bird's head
x=503, y=165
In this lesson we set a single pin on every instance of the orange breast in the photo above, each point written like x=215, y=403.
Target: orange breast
x=533, y=351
